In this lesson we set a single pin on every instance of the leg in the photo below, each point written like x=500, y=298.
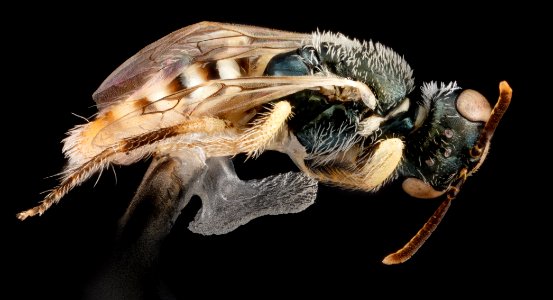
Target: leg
x=264, y=130
x=253, y=140
x=131, y=149
x=371, y=173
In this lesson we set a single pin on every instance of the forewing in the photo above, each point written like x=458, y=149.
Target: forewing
x=162, y=61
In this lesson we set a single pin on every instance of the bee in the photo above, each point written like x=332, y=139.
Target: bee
x=346, y=113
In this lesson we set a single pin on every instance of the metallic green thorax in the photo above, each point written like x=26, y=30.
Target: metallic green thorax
x=383, y=70
x=435, y=149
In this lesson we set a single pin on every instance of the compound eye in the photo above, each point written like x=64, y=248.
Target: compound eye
x=420, y=189
x=473, y=106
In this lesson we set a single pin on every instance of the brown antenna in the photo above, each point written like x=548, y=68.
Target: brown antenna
x=476, y=152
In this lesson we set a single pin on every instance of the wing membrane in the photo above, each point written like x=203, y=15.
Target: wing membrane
x=162, y=61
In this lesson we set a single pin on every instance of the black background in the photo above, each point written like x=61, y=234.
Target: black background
x=488, y=243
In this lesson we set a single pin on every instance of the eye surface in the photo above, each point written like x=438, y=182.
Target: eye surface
x=420, y=189
x=473, y=106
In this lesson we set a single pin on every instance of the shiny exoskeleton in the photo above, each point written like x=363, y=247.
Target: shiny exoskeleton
x=437, y=136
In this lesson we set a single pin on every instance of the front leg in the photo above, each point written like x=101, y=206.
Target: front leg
x=366, y=173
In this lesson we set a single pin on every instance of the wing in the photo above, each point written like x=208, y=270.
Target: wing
x=161, y=62
x=222, y=99
x=171, y=83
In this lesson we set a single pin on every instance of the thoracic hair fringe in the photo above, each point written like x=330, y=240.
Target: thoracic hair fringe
x=324, y=149
x=379, y=58
x=431, y=90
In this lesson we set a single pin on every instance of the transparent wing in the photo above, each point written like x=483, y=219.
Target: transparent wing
x=131, y=121
x=218, y=98
x=162, y=61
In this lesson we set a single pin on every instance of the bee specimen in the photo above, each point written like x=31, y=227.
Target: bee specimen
x=346, y=113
